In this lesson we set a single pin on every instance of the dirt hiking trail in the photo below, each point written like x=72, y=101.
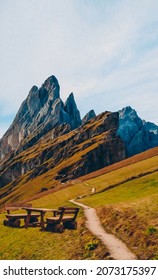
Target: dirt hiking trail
x=117, y=249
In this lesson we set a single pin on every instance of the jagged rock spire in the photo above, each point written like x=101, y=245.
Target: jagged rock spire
x=51, y=85
x=70, y=108
x=40, y=112
x=91, y=114
x=137, y=134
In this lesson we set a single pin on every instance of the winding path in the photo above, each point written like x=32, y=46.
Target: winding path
x=117, y=249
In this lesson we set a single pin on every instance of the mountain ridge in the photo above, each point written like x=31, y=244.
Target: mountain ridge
x=43, y=110
x=48, y=136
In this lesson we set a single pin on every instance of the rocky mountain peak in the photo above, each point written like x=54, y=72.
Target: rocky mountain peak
x=70, y=104
x=52, y=87
x=32, y=99
x=33, y=89
x=137, y=134
x=40, y=112
x=129, y=116
x=151, y=127
x=70, y=108
x=91, y=114
x=128, y=112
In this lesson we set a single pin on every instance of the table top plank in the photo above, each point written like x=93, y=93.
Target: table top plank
x=41, y=210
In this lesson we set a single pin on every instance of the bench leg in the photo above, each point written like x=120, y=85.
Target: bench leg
x=42, y=222
x=27, y=219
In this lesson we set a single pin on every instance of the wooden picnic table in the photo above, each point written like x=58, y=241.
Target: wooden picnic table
x=42, y=212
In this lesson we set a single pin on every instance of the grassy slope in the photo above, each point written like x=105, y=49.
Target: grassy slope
x=31, y=243
x=19, y=244
x=128, y=210
x=124, y=163
x=113, y=174
x=127, y=192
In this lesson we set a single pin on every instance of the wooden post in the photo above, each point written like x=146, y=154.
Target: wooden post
x=42, y=220
x=27, y=218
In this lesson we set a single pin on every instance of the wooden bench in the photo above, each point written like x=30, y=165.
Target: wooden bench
x=14, y=220
x=65, y=218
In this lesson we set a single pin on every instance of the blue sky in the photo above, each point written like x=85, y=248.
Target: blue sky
x=105, y=51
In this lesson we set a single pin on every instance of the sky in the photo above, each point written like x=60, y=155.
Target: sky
x=104, y=51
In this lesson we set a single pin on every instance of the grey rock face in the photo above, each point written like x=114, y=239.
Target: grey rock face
x=150, y=127
x=91, y=114
x=42, y=110
x=71, y=109
x=138, y=135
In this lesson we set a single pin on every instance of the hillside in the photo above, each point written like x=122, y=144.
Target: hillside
x=129, y=161
x=129, y=210
x=53, y=161
x=135, y=167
